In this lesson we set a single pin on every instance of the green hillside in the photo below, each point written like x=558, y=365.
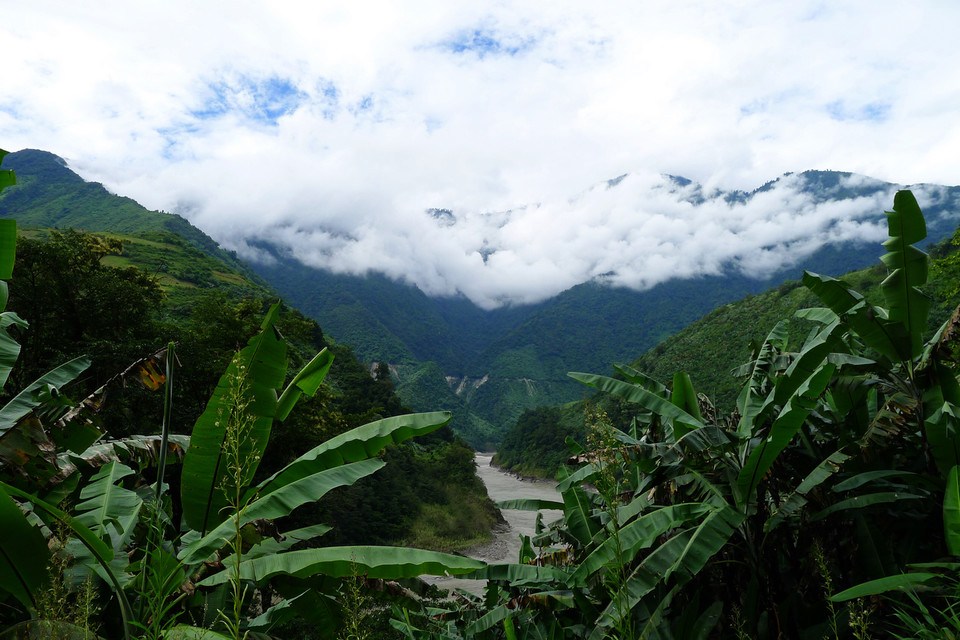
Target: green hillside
x=523, y=352
x=131, y=282
x=705, y=349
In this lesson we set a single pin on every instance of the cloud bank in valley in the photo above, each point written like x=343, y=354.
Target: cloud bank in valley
x=332, y=128
x=635, y=231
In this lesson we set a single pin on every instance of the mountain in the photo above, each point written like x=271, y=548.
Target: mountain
x=187, y=261
x=708, y=348
x=493, y=364
x=488, y=366
x=209, y=303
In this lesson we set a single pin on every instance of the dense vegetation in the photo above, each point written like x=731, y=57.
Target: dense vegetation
x=709, y=349
x=107, y=500
x=117, y=298
x=523, y=352
x=826, y=504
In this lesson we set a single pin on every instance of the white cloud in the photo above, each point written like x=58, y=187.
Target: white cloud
x=332, y=127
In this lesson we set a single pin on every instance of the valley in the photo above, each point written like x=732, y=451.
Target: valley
x=658, y=485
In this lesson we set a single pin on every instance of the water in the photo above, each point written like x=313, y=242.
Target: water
x=505, y=547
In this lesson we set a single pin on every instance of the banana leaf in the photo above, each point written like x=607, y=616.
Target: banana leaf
x=8, y=232
x=577, y=509
x=287, y=539
x=280, y=503
x=23, y=553
x=673, y=415
x=108, y=509
x=867, y=321
x=685, y=397
x=357, y=444
x=902, y=582
x=29, y=399
x=751, y=397
x=951, y=512
x=9, y=348
x=264, y=363
x=390, y=563
x=101, y=553
x=906, y=304
x=307, y=381
x=868, y=500
x=143, y=450
x=797, y=499
x=682, y=556
x=522, y=574
x=636, y=536
x=489, y=620
x=942, y=423
x=638, y=377
x=529, y=504
x=783, y=430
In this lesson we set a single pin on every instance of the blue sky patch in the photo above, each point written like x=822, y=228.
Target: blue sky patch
x=871, y=112
x=483, y=42
x=263, y=100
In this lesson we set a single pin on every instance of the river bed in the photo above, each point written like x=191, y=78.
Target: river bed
x=505, y=546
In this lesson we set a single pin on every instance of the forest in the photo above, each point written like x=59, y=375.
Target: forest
x=155, y=492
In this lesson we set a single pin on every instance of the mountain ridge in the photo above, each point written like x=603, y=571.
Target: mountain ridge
x=523, y=352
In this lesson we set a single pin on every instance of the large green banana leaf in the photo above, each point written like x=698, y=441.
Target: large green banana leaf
x=357, y=444
x=902, y=582
x=577, y=512
x=9, y=348
x=8, y=234
x=204, y=467
x=23, y=553
x=108, y=509
x=280, y=503
x=682, y=556
x=795, y=500
x=638, y=377
x=269, y=546
x=529, y=504
x=876, y=331
x=522, y=574
x=28, y=399
x=782, y=432
x=941, y=406
x=636, y=536
x=391, y=563
x=677, y=420
x=951, y=512
x=307, y=381
x=101, y=553
x=906, y=304
x=685, y=397
x=795, y=395
x=750, y=399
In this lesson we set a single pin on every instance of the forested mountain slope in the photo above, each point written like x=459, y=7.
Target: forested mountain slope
x=120, y=296
x=495, y=363
x=705, y=350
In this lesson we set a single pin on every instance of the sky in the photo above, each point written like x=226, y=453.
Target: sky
x=465, y=147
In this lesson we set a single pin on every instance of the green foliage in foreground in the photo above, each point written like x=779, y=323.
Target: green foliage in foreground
x=128, y=536
x=835, y=479
x=95, y=515
x=707, y=349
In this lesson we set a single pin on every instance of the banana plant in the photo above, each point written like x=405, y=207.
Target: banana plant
x=744, y=496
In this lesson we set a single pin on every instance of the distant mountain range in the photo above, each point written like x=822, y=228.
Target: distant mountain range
x=446, y=353
x=490, y=365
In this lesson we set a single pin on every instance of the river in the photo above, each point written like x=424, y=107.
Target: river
x=505, y=547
